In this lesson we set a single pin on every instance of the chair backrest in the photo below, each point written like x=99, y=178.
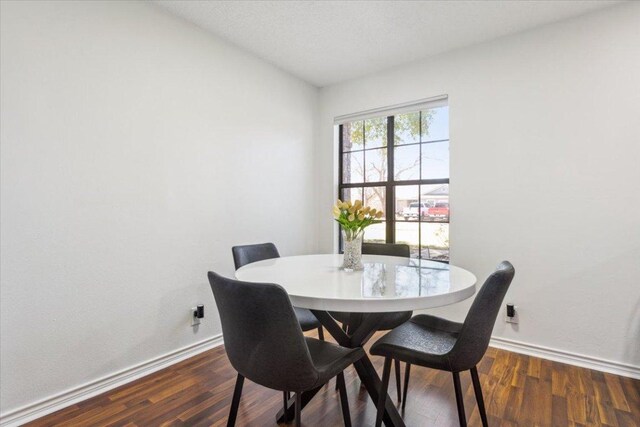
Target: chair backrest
x=389, y=249
x=476, y=331
x=262, y=336
x=246, y=254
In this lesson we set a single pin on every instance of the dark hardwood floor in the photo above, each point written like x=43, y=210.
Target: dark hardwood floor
x=519, y=391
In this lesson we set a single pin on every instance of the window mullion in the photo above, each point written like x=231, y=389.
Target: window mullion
x=390, y=190
x=340, y=159
x=340, y=178
x=420, y=190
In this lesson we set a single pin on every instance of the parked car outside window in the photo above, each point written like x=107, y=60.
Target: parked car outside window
x=439, y=211
x=414, y=210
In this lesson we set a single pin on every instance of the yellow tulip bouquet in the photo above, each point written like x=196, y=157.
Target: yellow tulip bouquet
x=355, y=217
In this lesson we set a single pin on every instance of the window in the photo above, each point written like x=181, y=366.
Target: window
x=400, y=164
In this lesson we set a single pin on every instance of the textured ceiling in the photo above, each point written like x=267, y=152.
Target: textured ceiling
x=325, y=42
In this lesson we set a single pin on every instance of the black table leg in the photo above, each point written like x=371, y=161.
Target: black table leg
x=362, y=332
x=372, y=383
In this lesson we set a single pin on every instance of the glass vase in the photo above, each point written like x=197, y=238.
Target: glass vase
x=352, y=250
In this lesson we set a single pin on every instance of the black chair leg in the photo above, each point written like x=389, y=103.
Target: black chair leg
x=478, y=390
x=235, y=402
x=344, y=328
x=459, y=399
x=382, y=393
x=344, y=401
x=298, y=408
x=396, y=362
x=407, y=369
x=285, y=400
x=321, y=333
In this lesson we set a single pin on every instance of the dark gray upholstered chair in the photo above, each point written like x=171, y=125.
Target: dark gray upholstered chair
x=388, y=249
x=390, y=320
x=264, y=343
x=247, y=254
x=449, y=346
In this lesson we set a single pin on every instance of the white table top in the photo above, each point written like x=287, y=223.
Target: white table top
x=386, y=284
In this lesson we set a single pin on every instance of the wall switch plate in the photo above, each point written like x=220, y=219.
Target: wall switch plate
x=515, y=318
x=194, y=320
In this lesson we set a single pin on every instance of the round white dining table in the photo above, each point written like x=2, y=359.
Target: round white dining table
x=386, y=284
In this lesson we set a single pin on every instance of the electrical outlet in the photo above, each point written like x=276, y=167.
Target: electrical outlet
x=511, y=319
x=194, y=319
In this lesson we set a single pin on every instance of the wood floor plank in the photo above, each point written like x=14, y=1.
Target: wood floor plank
x=631, y=391
x=559, y=413
x=124, y=417
x=534, y=367
x=606, y=411
x=576, y=407
x=625, y=419
x=616, y=391
x=519, y=390
x=514, y=404
x=520, y=365
x=559, y=381
x=536, y=409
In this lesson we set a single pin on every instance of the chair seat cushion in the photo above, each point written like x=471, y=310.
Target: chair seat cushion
x=306, y=319
x=424, y=340
x=390, y=320
x=330, y=359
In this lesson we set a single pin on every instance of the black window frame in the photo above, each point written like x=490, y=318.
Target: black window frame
x=390, y=184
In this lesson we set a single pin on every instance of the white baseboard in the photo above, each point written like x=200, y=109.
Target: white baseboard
x=56, y=402
x=569, y=358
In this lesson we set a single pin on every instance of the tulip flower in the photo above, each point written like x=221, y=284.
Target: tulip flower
x=354, y=217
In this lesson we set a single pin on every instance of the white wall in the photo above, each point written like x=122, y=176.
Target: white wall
x=545, y=149
x=136, y=150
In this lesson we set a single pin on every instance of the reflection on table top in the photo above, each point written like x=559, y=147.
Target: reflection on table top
x=386, y=283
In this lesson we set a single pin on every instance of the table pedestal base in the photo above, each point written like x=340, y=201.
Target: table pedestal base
x=363, y=326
